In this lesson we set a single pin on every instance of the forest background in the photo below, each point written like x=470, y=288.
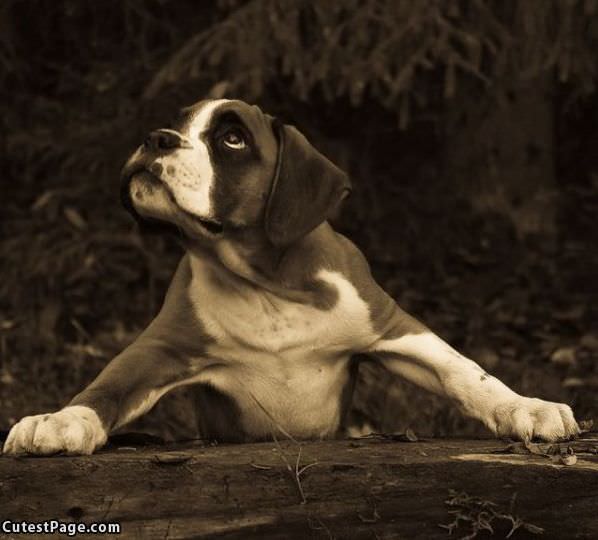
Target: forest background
x=469, y=128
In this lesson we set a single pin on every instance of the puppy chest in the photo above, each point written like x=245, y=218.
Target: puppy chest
x=270, y=395
x=249, y=318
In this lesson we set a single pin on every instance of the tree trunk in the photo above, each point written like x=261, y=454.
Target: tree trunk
x=500, y=152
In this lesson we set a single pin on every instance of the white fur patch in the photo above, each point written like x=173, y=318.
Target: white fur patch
x=242, y=316
x=192, y=178
x=152, y=397
x=432, y=363
x=148, y=401
x=73, y=430
x=202, y=118
x=187, y=172
x=427, y=360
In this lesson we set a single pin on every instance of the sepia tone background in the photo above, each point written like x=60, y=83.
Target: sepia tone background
x=470, y=130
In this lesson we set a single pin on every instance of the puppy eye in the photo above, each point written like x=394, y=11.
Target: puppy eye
x=234, y=140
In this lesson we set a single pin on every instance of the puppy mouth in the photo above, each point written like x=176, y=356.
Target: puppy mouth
x=210, y=225
x=213, y=227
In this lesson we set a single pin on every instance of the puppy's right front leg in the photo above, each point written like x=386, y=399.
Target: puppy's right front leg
x=127, y=388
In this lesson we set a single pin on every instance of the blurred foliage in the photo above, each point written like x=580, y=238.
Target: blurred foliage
x=70, y=114
x=389, y=50
x=82, y=81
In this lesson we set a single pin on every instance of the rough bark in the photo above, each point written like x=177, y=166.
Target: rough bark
x=361, y=488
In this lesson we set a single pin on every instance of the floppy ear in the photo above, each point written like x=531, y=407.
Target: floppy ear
x=306, y=189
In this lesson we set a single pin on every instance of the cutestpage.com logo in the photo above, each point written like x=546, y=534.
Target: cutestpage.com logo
x=53, y=526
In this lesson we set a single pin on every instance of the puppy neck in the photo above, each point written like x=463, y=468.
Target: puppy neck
x=263, y=266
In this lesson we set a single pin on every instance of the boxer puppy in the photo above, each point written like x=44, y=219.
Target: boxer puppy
x=269, y=304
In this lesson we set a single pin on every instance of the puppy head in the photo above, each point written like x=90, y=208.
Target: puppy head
x=224, y=167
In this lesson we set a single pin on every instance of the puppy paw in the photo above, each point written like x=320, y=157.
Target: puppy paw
x=527, y=418
x=73, y=430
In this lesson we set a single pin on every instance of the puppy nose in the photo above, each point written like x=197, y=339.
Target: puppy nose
x=166, y=139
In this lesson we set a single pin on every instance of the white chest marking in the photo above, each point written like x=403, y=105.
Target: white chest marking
x=243, y=317
x=276, y=355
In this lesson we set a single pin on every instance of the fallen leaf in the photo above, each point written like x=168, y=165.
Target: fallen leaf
x=75, y=218
x=42, y=200
x=6, y=377
x=7, y=324
x=542, y=449
x=586, y=425
x=410, y=435
x=569, y=459
x=589, y=341
x=570, y=314
x=172, y=458
x=534, y=529
x=573, y=382
x=516, y=448
x=260, y=467
x=565, y=356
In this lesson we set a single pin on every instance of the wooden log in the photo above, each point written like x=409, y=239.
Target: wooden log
x=358, y=488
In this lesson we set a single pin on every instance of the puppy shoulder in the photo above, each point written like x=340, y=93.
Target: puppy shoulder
x=326, y=250
x=353, y=265
x=387, y=318
x=319, y=250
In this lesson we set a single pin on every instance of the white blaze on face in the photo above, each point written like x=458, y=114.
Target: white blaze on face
x=189, y=172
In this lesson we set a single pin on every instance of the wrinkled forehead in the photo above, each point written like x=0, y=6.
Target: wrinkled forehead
x=202, y=116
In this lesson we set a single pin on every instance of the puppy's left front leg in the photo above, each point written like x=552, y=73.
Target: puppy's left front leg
x=127, y=388
x=409, y=349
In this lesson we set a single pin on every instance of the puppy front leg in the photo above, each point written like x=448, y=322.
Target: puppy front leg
x=409, y=349
x=128, y=387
